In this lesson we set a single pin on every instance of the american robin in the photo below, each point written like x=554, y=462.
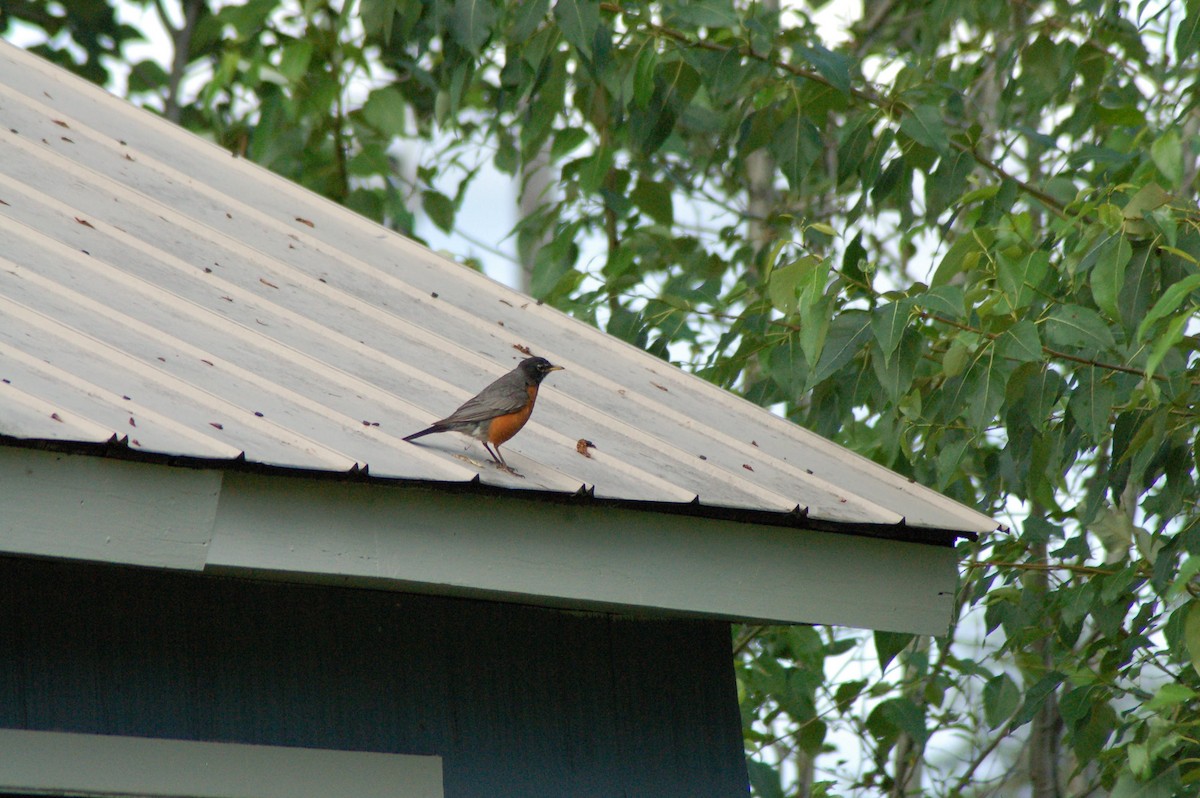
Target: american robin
x=499, y=411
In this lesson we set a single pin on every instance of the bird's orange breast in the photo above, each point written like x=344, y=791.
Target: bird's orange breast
x=504, y=427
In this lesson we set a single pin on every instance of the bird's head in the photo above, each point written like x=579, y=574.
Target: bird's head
x=536, y=368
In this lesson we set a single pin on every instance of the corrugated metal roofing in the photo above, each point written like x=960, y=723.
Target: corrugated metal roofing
x=156, y=290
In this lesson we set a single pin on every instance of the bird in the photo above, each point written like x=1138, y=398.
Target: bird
x=498, y=412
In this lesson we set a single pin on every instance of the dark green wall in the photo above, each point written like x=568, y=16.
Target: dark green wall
x=519, y=701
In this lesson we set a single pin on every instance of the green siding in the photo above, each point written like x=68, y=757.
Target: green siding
x=519, y=701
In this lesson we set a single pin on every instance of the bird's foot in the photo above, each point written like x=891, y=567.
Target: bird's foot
x=510, y=470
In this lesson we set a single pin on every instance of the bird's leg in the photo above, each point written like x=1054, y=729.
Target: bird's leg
x=499, y=458
x=495, y=454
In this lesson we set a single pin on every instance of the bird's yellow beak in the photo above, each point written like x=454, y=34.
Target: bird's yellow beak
x=556, y=368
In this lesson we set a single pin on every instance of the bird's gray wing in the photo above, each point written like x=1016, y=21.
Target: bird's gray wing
x=506, y=395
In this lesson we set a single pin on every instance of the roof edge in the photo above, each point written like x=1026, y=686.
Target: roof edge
x=798, y=518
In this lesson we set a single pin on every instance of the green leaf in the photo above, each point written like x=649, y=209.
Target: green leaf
x=888, y=645
x=905, y=716
x=834, y=67
x=1091, y=403
x=1170, y=695
x=954, y=362
x=1149, y=197
x=814, y=326
x=1163, y=344
x=814, y=307
x=1191, y=633
x=149, y=75
x=705, y=14
x=1187, y=36
x=384, y=111
x=888, y=323
x=1140, y=283
x=781, y=285
x=578, y=20
x=765, y=779
x=1168, y=303
x=439, y=208
x=1020, y=277
x=567, y=141
x=726, y=72
x=1021, y=343
x=655, y=200
x=529, y=15
x=945, y=300
x=1108, y=275
x=962, y=256
x=675, y=83
x=796, y=145
x=1167, y=154
x=1001, y=697
x=924, y=125
x=847, y=693
x=295, y=58
x=1077, y=326
x=553, y=268
x=896, y=374
x=979, y=393
x=378, y=16
x=947, y=182
x=1035, y=697
x=471, y=23
x=1164, y=785
x=848, y=333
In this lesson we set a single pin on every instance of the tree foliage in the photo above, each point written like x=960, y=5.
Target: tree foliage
x=976, y=263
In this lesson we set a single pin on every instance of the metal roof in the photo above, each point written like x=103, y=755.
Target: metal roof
x=156, y=291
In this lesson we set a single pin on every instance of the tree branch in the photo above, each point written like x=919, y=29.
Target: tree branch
x=181, y=42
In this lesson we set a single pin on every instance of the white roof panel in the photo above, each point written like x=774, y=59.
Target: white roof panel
x=157, y=291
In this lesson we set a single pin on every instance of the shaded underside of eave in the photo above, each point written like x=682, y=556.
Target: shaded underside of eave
x=799, y=519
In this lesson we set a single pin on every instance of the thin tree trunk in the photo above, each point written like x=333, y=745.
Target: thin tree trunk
x=1045, y=737
x=181, y=42
x=537, y=187
x=907, y=757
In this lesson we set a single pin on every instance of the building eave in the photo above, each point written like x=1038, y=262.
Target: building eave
x=534, y=549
